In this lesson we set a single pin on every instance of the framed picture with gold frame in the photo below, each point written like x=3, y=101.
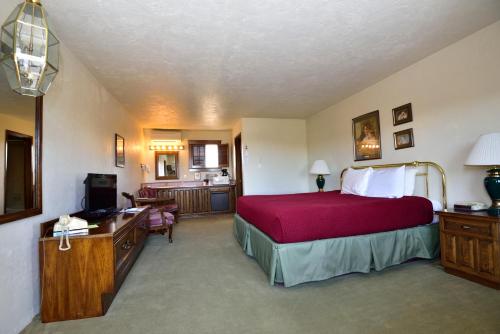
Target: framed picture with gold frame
x=366, y=137
x=403, y=139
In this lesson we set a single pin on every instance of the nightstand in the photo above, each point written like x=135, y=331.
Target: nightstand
x=470, y=246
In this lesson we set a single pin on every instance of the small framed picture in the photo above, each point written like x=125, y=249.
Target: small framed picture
x=402, y=114
x=119, y=151
x=197, y=176
x=403, y=139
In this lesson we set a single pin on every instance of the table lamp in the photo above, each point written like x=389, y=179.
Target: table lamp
x=320, y=168
x=486, y=152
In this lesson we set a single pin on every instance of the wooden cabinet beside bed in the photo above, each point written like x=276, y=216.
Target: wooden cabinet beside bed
x=470, y=246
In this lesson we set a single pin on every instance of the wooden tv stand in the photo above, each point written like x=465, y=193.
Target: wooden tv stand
x=82, y=282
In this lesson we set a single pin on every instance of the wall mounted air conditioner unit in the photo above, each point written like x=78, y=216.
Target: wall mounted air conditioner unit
x=165, y=136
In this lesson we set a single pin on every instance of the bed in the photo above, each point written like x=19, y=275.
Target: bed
x=308, y=237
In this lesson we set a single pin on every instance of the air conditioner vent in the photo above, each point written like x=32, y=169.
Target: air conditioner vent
x=166, y=136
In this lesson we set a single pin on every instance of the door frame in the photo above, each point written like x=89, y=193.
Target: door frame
x=28, y=168
x=238, y=163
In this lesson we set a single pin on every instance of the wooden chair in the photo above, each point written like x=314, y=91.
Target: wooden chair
x=160, y=220
x=151, y=196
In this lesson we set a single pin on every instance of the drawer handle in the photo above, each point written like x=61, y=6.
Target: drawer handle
x=465, y=227
x=127, y=245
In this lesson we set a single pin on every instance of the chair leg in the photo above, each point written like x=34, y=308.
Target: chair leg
x=170, y=228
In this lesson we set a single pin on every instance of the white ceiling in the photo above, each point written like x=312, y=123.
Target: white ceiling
x=204, y=64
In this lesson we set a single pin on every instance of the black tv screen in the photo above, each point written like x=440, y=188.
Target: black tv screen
x=100, y=192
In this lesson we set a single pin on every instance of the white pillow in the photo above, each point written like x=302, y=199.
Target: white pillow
x=387, y=182
x=436, y=205
x=410, y=179
x=356, y=181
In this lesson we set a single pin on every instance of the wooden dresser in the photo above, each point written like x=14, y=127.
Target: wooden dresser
x=82, y=282
x=470, y=246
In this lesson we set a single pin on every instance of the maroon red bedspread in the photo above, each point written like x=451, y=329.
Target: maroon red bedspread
x=312, y=216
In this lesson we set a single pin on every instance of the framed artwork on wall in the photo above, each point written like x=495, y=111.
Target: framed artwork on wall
x=403, y=139
x=366, y=137
x=402, y=114
x=119, y=151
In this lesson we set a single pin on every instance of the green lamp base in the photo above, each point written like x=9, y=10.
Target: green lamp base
x=492, y=184
x=320, y=182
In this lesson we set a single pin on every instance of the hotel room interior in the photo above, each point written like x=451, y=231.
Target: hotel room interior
x=250, y=166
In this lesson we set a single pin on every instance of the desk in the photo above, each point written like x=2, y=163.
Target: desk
x=82, y=282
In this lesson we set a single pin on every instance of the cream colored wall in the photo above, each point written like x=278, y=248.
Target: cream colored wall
x=455, y=95
x=184, y=173
x=80, y=120
x=12, y=123
x=276, y=159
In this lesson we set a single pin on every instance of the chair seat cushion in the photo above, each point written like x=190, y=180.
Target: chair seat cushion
x=155, y=218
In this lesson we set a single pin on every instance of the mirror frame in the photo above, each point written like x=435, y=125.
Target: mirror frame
x=37, y=164
x=157, y=154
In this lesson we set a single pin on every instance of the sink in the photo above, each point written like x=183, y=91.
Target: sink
x=220, y=180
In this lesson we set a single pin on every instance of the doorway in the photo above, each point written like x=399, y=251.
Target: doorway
x=238, y=164
x=18, y=195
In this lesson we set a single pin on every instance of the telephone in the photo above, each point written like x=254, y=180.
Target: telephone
x=470, y=206
x=64, y=226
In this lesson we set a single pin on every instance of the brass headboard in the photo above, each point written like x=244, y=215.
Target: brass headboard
x=425, y=164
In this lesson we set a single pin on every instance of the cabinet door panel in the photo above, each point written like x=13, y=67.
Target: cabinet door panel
x=198, y=203
x=180, y=199
x=223, y=155
x=187, y=199
x=465, y=254
x=449, y=248
x=486, y=264
x=206, y=200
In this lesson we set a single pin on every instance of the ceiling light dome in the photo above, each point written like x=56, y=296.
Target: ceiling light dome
x=29, y=51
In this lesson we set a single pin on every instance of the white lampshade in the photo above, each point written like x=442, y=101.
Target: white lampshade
x=320, y=167
x=486, y=151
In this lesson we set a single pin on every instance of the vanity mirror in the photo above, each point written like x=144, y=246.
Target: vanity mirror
x=20, y=154
x=167, y=165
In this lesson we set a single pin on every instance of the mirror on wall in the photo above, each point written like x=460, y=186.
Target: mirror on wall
x=20, y=171
x=167, y=165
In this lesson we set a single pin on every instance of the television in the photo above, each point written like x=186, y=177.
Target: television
x=100, y=192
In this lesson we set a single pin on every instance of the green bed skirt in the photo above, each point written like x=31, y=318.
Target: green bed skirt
x=295, y=263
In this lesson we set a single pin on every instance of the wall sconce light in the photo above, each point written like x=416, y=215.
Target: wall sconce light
x=246, y=154
x=145, y=168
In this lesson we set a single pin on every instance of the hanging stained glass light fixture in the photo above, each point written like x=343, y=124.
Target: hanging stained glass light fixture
x=29, y=51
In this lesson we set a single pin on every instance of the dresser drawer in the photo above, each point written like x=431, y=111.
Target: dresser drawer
x=220, y=189
x=463, y=226
x=123, y=248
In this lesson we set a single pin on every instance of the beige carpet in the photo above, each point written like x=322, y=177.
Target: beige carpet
x=203, y=283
